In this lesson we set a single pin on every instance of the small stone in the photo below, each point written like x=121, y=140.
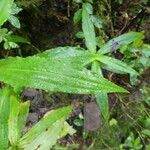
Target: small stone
x=92, y=118
x=33, y=118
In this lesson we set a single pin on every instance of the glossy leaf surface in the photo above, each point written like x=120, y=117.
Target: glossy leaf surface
x=47, y=74
x=75, y=57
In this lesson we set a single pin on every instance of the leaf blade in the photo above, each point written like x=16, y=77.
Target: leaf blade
x=52, y=76
x=46, y=122
x=5, y=10
x=116, y=65
x=123, y=39
x=4, y=115
x=88, y=30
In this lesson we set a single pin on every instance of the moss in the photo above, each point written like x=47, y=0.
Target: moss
x=108, y=137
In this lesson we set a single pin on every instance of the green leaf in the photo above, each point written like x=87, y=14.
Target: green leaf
x=46, y=139
x=17, y=118
x=50, y=124
x=14, y=21
x=5, y=10
x=16, y=39
x=119, y=41
x=75, y=57
x=67, y=129
x=9, y=45
x=101, y=97
x=77, y=16
x=79, y=35
x=4, y=115
x=78, y=1
x=88, y=30
x=15, y=9
x=3, y=33
x=23, y=115
x=115, y=65
x=51, y=75
x=78, y=122
x=89, y=8
x=13, y=120
x=96, y=21
x=49, y=137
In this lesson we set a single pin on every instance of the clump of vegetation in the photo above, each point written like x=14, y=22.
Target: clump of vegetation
x=100, y=52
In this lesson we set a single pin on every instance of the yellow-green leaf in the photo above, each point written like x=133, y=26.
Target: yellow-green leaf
x=5, y=10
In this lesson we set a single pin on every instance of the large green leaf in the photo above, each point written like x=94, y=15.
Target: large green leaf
x=88, y=29
x=4, y=115
x=117, y=42
x=5, y=10
x=75, y=57
x=116, y=65
x=42, y=73
x=47, y=125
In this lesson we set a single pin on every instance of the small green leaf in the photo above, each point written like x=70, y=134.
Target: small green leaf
x=14, y=21
x=5, y=10
x=119, y=41
x=89, y=8
x=77, y=16
x=16, y=39
x=79, y=35
x=9, y=45
x=15, y=9
x=3, y=33
x=67, y=129
x=115, y=65
x=96, y=21
x=78, y=1
x=78, y=122
x=88, y=30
